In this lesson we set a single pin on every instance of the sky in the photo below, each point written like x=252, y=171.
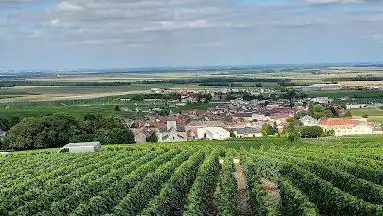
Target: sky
x=74, y=34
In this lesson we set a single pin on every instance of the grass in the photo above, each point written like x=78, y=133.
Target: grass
x=104, y=106
x=369, y=111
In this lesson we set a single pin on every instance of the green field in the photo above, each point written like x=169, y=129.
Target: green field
x=273, y=177
x=368, y=111
x=104, y=106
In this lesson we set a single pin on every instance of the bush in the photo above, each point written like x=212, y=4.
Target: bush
x=311, y=132
x=153, y=138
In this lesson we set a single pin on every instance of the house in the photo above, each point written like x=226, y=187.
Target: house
x=82, y=147
x=247, y=132
x=344, y=127
x=322, y=100
x=139, y=135
x=172, y=132
x=309, y=121
x=213, y=133
x=249, y=116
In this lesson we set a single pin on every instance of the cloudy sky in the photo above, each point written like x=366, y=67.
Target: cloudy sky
x=57, y=34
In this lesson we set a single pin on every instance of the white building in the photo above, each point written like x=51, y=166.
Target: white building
x=344, y=127
x=322, y=100
x=82, y=147
x=321, y=87
x=309, y=121
x=212, y=133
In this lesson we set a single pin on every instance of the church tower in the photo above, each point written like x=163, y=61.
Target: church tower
x=171, y=123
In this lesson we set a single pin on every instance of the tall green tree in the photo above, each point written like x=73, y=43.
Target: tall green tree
x=311, y=131
x=267, y=130
x=115, y=136
x=153, y=138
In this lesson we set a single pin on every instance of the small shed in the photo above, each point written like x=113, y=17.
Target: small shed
x=82, y=147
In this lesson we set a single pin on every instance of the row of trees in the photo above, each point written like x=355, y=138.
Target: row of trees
x=295, y=130
x=59, y=129
x=318, y=111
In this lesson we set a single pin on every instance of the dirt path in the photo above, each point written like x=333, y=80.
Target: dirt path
x=270, y=188
x=213, y=208
x=243, y=193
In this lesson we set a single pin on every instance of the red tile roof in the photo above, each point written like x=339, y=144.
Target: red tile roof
x=338, y=122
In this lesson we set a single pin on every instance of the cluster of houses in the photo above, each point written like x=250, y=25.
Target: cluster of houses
x=241, y=119
x=344, y=126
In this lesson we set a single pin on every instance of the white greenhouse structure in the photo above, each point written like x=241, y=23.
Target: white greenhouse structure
x=82, y=147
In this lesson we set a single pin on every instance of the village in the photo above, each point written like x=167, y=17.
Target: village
x=239, y=118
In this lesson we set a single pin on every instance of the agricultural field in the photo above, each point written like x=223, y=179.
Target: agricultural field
x=264, y=176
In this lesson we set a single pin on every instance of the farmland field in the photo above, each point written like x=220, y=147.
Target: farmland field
x=266, y=176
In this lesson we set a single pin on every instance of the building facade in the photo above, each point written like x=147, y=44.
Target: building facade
x=172, y=132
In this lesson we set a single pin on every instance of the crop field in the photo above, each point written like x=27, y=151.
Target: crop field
x=249, y=177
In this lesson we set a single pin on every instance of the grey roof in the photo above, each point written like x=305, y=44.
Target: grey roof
x=248, y=130
x=2, y=133
x=82, y=144
x=180, y=128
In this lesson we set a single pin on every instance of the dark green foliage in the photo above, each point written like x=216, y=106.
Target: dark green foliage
x=149, y=187
x=201, y=194
x=227, y=202
x=6, y=123
x=59, y=129
x=175, y=190
x=347, y=114
x=318, y=111
x=45, y=132
x=232, y=134
x=329, y=199
x=293, y=202
x=358, y=187
x=115, y=136
x=267, y=130
x=261, y=202
x=153, y=138
x=311, y=131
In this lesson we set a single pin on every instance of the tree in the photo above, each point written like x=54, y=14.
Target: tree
x=153, y=138
x=292, y=94
x=311, y=131
x=44, y=132
x=117, y=108
x=318, y=111
x=232, y=134
x=275, y=127
x=115, y=136
x=327, y=133
x=347, y=114
x=267, y=130
x=7, y=122
x=292, y=125
x=293, y=136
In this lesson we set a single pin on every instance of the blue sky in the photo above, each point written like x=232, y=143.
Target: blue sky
x=69, y=34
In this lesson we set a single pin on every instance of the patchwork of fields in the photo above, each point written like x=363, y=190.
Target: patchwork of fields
x=253, y=177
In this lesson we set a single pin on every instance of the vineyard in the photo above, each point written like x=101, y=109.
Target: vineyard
x=207, y=178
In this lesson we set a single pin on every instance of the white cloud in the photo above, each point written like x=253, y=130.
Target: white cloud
x=55, y=22
x=67, y=6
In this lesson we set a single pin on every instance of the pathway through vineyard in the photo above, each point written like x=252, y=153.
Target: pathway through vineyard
x=243, y=192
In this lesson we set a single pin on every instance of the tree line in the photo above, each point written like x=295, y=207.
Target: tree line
x=57, y=130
